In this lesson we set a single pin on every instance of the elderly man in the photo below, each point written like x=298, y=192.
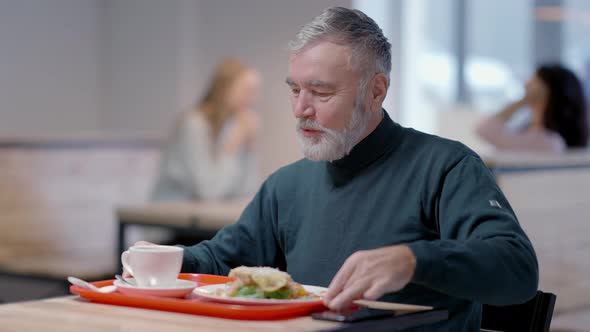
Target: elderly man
x=375, y=210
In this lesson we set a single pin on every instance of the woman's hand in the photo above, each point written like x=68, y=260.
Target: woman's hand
x=244, y=132
x=249, y=121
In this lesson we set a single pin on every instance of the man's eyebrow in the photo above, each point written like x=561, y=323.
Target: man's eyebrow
x=312, y=83
x=320, y=83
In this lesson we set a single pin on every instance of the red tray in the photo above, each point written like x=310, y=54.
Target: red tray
x=197, y=306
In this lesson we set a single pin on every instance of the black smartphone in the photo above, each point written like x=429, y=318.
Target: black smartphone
x=353, y=316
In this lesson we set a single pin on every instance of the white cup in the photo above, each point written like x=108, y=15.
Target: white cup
x=153, y=265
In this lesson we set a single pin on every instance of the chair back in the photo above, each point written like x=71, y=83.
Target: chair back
x=532, y=316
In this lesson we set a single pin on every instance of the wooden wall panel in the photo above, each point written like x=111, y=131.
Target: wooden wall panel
x=59, y=202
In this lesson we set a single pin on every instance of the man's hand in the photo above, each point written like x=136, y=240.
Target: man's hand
x=369, y=274
x=138, y=243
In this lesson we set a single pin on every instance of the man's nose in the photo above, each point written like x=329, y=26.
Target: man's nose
x=303, y=107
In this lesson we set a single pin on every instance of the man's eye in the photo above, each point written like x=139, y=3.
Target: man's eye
x=322, y=95
x=295, y=92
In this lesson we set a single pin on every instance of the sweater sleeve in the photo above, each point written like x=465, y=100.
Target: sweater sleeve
x=251, y=241
x=483, y=254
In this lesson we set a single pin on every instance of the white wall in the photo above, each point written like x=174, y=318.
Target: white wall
x=49, y=59
x=140, y=64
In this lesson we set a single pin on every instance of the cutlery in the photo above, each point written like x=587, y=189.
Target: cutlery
x=125, y=281
x=399, y=307
x=85, y=284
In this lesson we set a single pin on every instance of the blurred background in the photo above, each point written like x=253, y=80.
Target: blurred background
x=129, y=66
x=89, y=88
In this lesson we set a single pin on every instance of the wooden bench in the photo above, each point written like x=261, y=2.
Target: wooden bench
x=57, y=200
x=551, y=197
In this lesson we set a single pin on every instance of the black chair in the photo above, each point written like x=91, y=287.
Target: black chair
x=532, y=316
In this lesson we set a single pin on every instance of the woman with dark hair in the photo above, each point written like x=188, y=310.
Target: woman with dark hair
x=558, y=121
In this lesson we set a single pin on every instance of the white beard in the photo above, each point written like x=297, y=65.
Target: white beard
x=333, y=144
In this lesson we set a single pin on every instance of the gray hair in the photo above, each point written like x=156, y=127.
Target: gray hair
x=370, y=50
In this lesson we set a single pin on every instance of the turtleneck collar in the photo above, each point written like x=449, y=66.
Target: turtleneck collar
x=371, y=148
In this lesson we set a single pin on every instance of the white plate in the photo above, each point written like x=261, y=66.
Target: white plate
x=181, y=289
x=208, y=292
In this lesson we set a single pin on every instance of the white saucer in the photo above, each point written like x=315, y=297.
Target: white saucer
x=181, y=289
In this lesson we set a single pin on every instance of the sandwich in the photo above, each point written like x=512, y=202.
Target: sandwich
x=263, y=283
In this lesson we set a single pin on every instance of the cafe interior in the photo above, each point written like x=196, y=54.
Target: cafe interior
x=90, y=89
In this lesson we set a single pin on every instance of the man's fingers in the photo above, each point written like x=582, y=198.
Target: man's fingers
x=343, y=300
x=377, y=289
x=370, y=274
x=340, y=280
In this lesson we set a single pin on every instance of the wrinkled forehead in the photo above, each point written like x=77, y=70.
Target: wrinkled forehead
x=323, y=61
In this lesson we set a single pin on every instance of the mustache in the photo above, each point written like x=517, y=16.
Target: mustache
x=309, y=124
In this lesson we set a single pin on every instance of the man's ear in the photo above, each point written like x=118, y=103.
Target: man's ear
x=378, y=91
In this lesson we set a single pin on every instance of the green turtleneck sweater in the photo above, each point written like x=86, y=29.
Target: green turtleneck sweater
x=396, y=186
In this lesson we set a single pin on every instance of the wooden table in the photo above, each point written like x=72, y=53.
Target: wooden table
x=202, y=217
x=65, y=314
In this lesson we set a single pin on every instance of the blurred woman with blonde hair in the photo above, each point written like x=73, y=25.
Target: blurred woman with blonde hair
x=209, y=154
